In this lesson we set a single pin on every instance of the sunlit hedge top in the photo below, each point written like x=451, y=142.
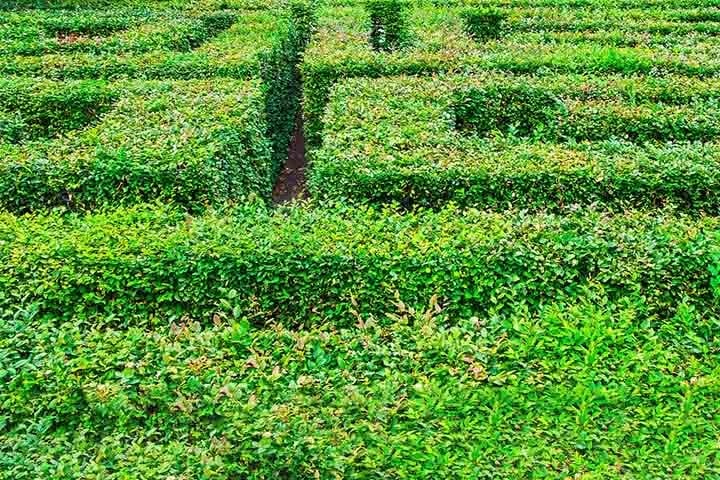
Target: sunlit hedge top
x=653, y=40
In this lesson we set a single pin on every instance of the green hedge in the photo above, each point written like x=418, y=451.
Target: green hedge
x=658, y=41
x=260, y=44
x=301, y=264
x=587, y=387
x=40, y=109
x=78, y=5
x=190, y=143
x=497, y=141
x=112, y=32
x=236, y=52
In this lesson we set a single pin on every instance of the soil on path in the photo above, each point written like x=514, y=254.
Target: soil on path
x=290, y=184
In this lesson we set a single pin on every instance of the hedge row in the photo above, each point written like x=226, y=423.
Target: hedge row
x=237, y=52
x=439, y=42
x=529, y=142
x=304, y=265
x=702, y=5
x=111, y=33
x=262, y=44
x=190, y=143
x=78, y=5
x=587, y=387
x=34, y=109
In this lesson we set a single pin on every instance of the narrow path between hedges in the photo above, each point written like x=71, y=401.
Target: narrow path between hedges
x=290, y=184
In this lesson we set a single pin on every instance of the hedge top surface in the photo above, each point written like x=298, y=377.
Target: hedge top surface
x=539, y=141
x=191, y=143
x=588, y=387
x=142, y=44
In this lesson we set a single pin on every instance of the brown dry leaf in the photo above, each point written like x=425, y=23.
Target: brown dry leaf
x=305, y=380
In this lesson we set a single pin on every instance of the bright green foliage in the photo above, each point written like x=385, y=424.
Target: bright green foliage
x=201, y=42
x=519, y=110
x=590, y=37
x=189, y=143
x=499, y=141
x=113, y=32
x=554, y=332
x=45, y=109
x=306, y=264
x=586, y=387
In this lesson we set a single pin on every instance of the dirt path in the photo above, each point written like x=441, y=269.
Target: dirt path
x=291, y=181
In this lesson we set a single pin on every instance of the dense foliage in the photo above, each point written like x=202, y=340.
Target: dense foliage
x=606, y=37
x=540, y=141
x=510, y=269
x=315, y=264
x=190, y=143
x=583, y=388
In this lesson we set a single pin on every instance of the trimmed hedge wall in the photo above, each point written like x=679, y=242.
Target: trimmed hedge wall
x=264, y=45
x=34, y=109
x=523, y=141
x=111, y=33
x=236, y=52
x=303, y=264
x=585, y=387
x=189, y=143
x=590, y=38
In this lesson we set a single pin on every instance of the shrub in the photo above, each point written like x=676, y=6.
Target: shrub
x=192, y=144
x=178, y=44
x=298, y=265
x=587, y=384
x=583, y=39
x=521, y=110
x=483, y=24
x=537, y=142
x=388, y=29
x=46, y=109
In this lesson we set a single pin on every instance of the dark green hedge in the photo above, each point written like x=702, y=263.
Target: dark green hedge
x=499, y=140
x=588, y=387
x=301, y=264
x=189, y=143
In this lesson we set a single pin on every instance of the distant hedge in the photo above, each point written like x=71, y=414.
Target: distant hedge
x=500, y=141
x=170, y=44
x=302, y=265
x=594, y=37
x=189, y=143
x=111, y=32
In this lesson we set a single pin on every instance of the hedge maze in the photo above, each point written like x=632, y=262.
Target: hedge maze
x=506, y=263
